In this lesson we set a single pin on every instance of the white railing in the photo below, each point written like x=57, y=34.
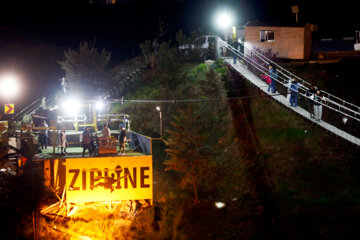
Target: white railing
x=340, y=113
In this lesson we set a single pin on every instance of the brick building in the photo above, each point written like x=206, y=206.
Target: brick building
x=292, y=41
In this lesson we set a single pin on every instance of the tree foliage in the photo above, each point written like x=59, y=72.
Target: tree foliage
x=188, y=152
x=87, y=69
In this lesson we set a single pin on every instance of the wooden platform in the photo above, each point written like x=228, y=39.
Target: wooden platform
x=76, y=152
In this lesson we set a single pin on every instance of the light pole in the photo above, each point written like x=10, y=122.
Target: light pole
x=161, y=131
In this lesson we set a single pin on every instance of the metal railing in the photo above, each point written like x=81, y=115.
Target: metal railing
x=337, y=112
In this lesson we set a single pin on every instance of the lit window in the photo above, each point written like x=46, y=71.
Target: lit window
x=267, y=36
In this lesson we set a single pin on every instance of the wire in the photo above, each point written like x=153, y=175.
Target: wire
x=199, y=100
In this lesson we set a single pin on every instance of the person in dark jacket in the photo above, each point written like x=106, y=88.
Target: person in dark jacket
x=235, y=44
x=86, y=141
x=309, y=93
x=318, y=100
x=294, y=92
x=122, y=140
x=44, y=135
x=274, y=76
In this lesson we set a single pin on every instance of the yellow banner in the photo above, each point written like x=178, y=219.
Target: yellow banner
x=234, y=33
x=109, y=178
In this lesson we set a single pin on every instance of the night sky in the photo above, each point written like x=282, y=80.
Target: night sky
x=34, y=34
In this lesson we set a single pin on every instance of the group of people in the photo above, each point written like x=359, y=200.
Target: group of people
x=315, y=96
x=271, y=79
x=89, y=139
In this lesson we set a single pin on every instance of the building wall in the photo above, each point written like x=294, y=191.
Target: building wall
x=290, y=42
x=307, y=41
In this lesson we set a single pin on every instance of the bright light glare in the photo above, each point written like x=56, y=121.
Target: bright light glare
x=224, y=19
x=99, y=105
x=71, y=106
x=345, y=119
x=219, y=204
x=158, y=108
x=9, y=85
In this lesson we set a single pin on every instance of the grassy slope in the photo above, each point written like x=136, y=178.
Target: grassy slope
x=313, y=177
x=312, y=174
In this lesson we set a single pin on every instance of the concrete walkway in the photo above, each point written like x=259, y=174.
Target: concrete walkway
x=284, y=101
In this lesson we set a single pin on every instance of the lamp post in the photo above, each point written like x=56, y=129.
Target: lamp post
x=161, y=131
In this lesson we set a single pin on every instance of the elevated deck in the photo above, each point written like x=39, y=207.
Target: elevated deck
x=76, y=152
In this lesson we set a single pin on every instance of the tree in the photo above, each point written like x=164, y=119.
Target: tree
x=188, y=153
x=86, y=69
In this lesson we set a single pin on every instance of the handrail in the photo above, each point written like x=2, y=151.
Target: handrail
x=241, y=55
x=32, y=107
x=331, y=97
x=292, y=74
x=26, y=108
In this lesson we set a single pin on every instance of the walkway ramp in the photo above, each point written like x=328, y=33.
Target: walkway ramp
x=339, y=117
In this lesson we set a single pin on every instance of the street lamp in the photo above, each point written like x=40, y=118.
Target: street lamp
x=223, y=20
x=9, y=85
x=71, y=106
x=99, y=106
x=159, y=110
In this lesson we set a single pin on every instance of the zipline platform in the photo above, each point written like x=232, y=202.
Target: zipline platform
x=76, y=152
x=251, y=77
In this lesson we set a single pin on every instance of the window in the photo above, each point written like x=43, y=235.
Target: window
x=267, y=36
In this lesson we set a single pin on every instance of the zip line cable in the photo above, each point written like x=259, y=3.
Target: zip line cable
x=193, y=100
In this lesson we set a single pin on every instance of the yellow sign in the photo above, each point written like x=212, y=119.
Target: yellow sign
x=109, y=179
x=234, y=33
x=9, y=108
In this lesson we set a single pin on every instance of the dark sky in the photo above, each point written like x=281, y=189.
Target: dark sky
x=34, y=34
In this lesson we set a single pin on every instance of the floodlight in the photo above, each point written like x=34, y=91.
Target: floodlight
x=158, y=108
x=345, y=119
x=224, y=19
x=71, y=106
x=99, y=105
x=220, y=204
x=9, y=85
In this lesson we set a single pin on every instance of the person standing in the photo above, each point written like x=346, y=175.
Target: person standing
x=294, y=92
x=274, y=76
x=44, y=134
x=122, y=140
x=318, y=99
x=288, y=85
x=267, y=80
x=106, y=133
x=310, y=93
x=63, y=142
x=86, y=141
x=235, y=44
